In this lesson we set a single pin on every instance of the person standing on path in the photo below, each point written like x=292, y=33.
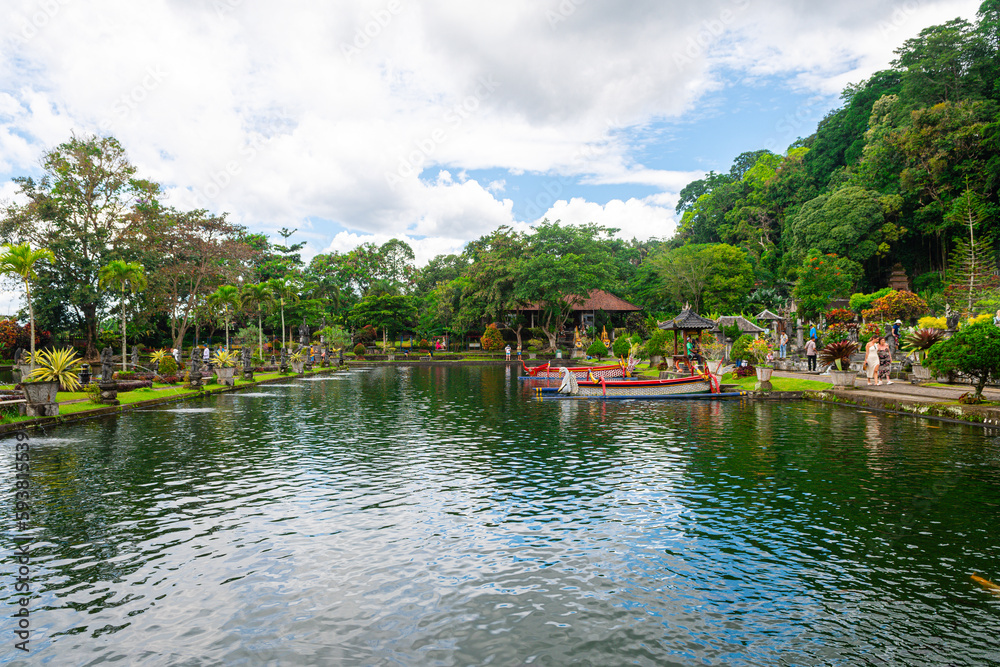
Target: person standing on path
x=783, y=345
x=812, y=332
x=884, y=361
x=871, y=360
x=507, y=352
x=811, y=353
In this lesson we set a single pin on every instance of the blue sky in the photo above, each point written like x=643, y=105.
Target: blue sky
x=434, y=122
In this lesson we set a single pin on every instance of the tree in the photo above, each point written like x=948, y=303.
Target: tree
x=844, y=222
x=900, y=304
x=189, y=255
x=936, y=62
x=226, y=299
x=82, y=210
x=973, y=263
x=492, y=339
x=21, y=259
x=562, y=265
x=389, y=312
x=715, y=276
x=495, y=264
x=256, y=297
x=823, y=277
x=120, y=274
x=973, y=350
x=285, y=292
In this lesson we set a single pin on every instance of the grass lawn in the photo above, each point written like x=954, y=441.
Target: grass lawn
x=779, y=383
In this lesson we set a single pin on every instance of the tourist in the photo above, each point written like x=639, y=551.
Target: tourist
x=176, y=355
x=884, y=361
x=519, y=352
x=206, y=354
x=812, y=331
x=783, y=345
x=811, y=352
x=871, y=360
x=996, y=319
x=895, y=331
x=507, y=352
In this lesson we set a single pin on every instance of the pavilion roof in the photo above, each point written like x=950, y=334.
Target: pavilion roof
x=687, y=320
x=745, y=325
x=768, y=315
x=597, y=299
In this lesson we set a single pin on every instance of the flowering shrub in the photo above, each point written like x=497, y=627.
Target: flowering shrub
x=868, y=331
x=365, y=334
x=930, y=322
x=899, y=304
x=758, y=349
x=492, y=339
x=837, y=333
x=839, y=316
x=13, y=336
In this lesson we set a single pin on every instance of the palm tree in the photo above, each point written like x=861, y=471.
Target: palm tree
x=227, y=297
x=285, y=291
x=119, y=273
x=258, y=296
x=21, y=259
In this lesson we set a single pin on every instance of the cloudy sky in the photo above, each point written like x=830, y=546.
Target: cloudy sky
x=434, y=121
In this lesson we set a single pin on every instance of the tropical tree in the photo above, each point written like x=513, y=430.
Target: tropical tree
x=258, y=296
x=226, y=299
x=121, y=274
x=285, y=292
x=21, y=259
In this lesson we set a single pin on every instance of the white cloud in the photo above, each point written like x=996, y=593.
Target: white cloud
x=324, y=116
x=640, y=219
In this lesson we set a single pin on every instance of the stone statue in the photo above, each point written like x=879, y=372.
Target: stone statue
x=195, y=362
x=107, y=365
x=18, y=353
x=245, y=358
x=283, y=364
x=304, y=333
x=951, y=317
x=340, y=360
x=135, y=357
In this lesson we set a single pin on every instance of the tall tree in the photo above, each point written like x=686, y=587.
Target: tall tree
x=82, y=210
x=227, y=299
x=121, y=275
x=286, y=292
x=257, y=297
x=21, y=260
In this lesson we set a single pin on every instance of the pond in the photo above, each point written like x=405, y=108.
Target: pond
x=441, y=516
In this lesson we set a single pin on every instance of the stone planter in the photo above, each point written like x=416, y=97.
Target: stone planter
x=41, y=397
x=922, y=373
x=225, y=376
x=532, y=355
x=764, y=374
x=109, y=392
x=194, y=380
x=298, y=366
x=655, y=360
x=843, y=378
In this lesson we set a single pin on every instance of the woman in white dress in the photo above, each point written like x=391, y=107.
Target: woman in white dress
x=871, y=360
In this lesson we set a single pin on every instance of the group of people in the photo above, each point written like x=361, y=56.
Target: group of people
x=878, y=360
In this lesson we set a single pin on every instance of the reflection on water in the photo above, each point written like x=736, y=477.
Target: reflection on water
x=440, y=516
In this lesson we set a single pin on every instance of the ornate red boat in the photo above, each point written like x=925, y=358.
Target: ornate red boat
x=549, y=372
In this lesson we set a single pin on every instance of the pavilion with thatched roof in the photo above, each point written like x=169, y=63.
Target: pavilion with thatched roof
x=745, y=325
x=686, y=322
x=776, y=322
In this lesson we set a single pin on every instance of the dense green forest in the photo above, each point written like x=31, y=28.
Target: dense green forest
x=904, y=172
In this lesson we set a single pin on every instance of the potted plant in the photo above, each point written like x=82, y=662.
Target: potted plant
x=54, y=370
x=298, y=361
x=534, y=345
x=225, y=367
x=918, y=343
x=838, y=356
x=758, y=350
x=359, y=351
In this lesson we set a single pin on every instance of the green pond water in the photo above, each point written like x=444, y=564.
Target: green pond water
x=436, y=516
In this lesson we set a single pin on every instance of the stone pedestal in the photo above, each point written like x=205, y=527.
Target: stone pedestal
x=224, y=376
x=308, y=366
x=764, y=386
x=109, y=393
x=194, y=380
x=41, y=409
x=248, y=375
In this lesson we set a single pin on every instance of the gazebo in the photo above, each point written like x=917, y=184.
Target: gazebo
x=777, y=322
x=686, y=322
x=745, y=325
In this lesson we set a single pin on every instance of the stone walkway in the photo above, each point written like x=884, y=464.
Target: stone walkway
x=899, y=389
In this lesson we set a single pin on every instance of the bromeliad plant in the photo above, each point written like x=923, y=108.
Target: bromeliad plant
x=758, y=349
x=62, y=366
x=920, y=341
x=838, y=354
x=226, y=359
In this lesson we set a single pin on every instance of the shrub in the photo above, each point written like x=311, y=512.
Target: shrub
x=124, y=375
x=656, y=345
x=931, y=322
x=839, y=316
x=740, y=348
x=900, y=304
x=621, y=346
x=359, y=350
x=534, y=345
x=365, y=334
x=973, y=350
x=130, y=385
x=597, y=349
x=836, y=333
x=424, y=344
x=492, y=339
x=922, y=340
x=170, y=379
